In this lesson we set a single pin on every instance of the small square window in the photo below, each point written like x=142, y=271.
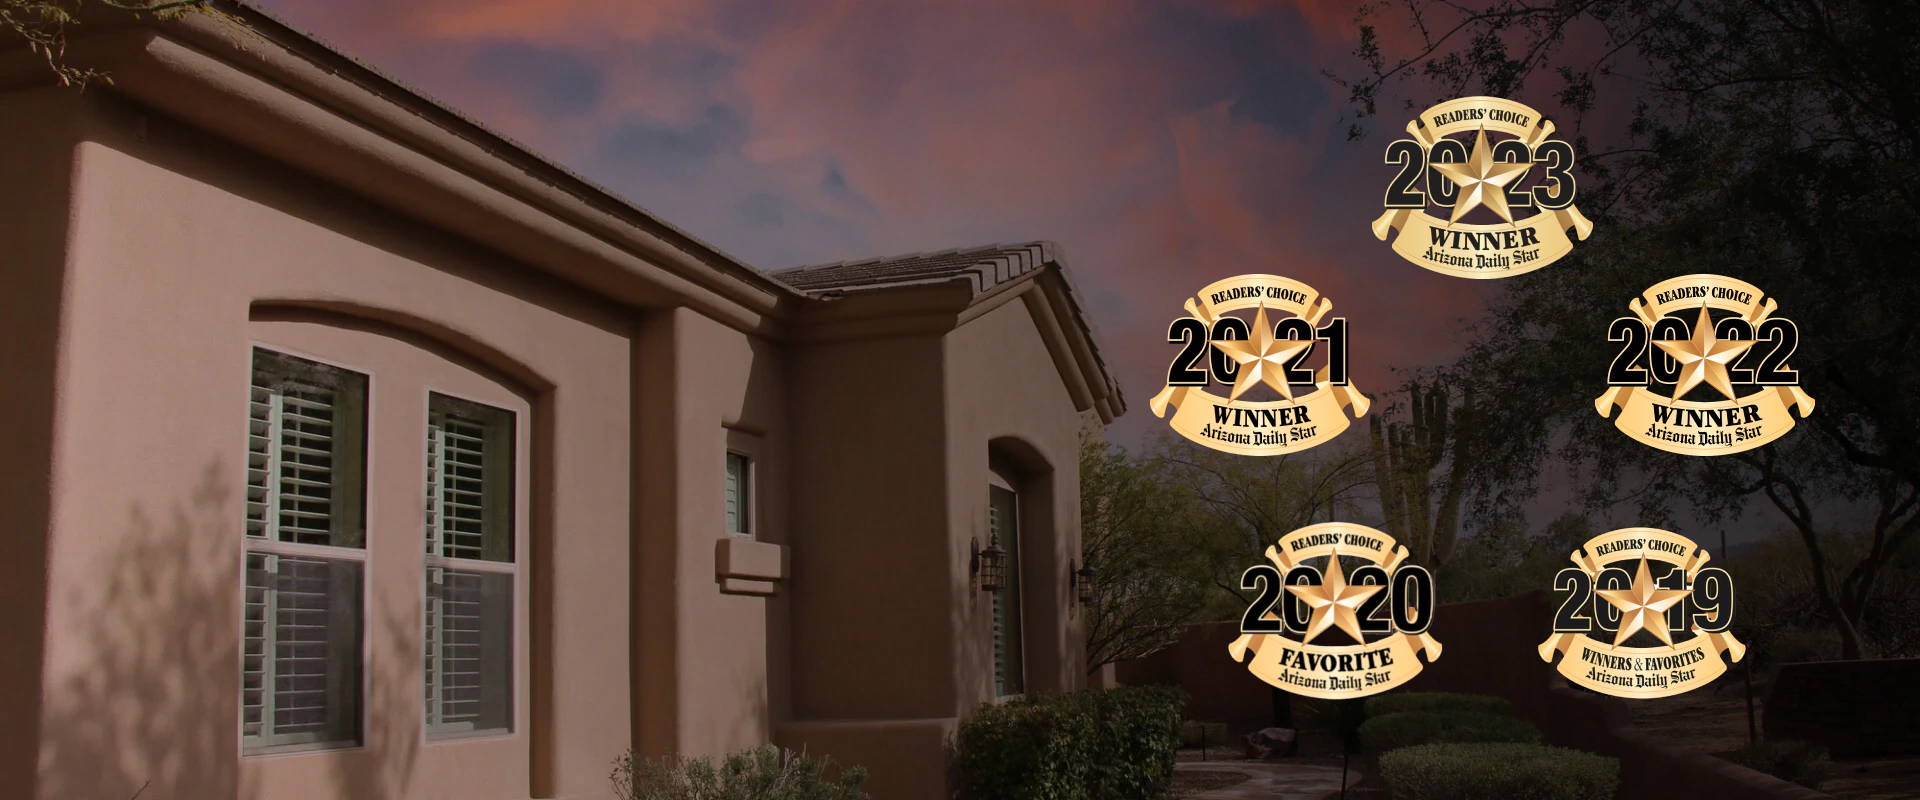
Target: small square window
x=739, y=494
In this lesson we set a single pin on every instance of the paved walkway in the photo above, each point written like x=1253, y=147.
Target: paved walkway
x=1268, y=781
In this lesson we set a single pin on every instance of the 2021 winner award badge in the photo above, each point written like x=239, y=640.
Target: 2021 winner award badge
x=1524, y=219
x=1247, y=354
x=1733, y=363
x=1630, y=629
x=1377, y=601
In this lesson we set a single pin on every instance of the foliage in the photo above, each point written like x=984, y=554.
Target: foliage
x=1436, y=702
x=1243, y=505
x=1112, y=745
x=1503, y=559
x=43, y=25
x=1504, y=770
x=1135, y=533
x=1404, y=458
x=1773, y=141
x=1791, y=760
x=1385, y=732
x=764, y=773
x=1194, y=733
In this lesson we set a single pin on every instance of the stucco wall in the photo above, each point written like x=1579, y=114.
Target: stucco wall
x=1008, y=405
x=183, y=251
x=709, y=667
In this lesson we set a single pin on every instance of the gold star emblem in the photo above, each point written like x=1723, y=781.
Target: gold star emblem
x=1643, y=606
x=1482, y=180
x=1334, y=602
x=1262, y=359
x=1703, y=358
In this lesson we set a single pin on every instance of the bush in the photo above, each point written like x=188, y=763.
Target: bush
x=1139, y=735
x=1113, y=745
x=1408, y=728
x=763, y=773
x=1210, y=734
x=1503, y=770
x=1790, y=760
x=1384, y=704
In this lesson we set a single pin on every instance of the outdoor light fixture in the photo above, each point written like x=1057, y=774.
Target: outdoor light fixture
x=1083, y=581
x=990, y=565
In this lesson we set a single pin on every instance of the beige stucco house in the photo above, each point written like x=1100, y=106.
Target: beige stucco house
x=357, y=452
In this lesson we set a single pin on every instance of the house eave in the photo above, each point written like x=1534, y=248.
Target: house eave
x=273, y=91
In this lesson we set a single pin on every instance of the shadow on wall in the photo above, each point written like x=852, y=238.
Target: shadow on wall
x=154, y=712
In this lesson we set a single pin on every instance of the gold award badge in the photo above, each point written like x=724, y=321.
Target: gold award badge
x=1739, y=359
x=1438, y=170
x=1615, y=597
x=1242, y=354
x=1384, y=606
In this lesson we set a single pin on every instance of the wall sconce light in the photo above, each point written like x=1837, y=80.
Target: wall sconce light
x=990, y=565
x=1082, y=581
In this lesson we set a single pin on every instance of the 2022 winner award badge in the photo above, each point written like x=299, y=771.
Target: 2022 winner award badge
x=1247, y=354
x=1378, y=601
x=1733, y=363
x=1630, y=630
x=1477, y=153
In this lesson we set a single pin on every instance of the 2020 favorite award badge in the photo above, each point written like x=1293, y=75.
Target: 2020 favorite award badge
x=1629, y=630
x=1248, y=354
x=1378, y=602
x=1733, y=363
x=1488, y=171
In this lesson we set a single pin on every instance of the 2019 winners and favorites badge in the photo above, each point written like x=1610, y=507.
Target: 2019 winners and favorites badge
x=1734, y=364
x=1508, y=141
x=1377, y=601
x=1679, y=616
x=1247, y=354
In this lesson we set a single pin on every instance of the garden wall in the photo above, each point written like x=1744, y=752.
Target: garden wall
x=1488, y=647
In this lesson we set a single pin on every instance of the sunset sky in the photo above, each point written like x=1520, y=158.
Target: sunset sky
x=1163, y=145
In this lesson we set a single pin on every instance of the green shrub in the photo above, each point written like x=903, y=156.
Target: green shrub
x=1381, y=705
x=1408, y=728
x=1139, y=736
x=1113, y=745
x=1196, y=734
x=763, y=773
x=1498, y=770
x=1790, y=760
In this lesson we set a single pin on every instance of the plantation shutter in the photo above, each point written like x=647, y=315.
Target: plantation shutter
x=470, y=571
x=1009, y=667
x=301, y=613
x=739, y=495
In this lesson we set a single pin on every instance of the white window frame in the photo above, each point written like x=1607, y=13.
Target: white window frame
x=271, y=546
x=748, y=482
x=441, y=732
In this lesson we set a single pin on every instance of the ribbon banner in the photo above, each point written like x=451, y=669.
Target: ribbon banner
x=1498, y=250
x=1642, y=672
x=1712, y=428
x=1260, y=428
x=1335, y=672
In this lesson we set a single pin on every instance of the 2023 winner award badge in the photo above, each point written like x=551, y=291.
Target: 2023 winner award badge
x=1734, y=365
x=1477, y=153
x=1380, y=603
x=1247, y=354
x=1678, y=613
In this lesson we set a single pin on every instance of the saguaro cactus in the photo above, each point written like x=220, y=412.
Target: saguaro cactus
x=1405, y=456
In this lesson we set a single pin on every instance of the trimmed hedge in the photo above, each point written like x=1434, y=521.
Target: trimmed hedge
x=1408, y=728
x=1504, y=770
x=1112, y=745
x=1394, y=703
x=1790, y=760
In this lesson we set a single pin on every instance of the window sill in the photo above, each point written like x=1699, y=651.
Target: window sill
x=744, y=566
x=460, y=737
x=301, y=749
